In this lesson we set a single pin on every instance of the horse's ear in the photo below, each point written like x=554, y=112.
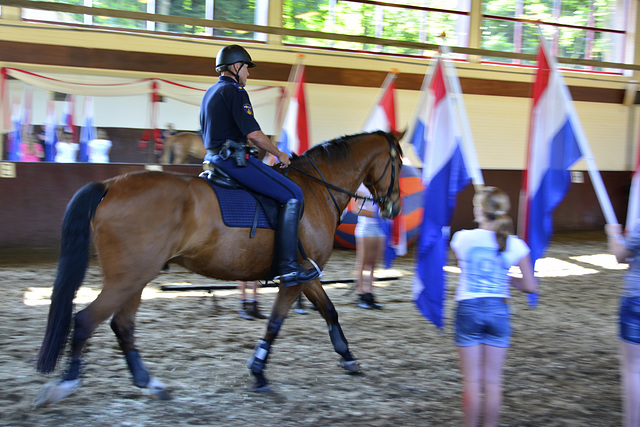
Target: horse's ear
x=399, y=135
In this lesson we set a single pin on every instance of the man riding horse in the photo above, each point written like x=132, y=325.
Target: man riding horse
x=228, y=123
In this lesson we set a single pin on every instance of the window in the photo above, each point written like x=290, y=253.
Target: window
x=580, y=29
x=106, y=21
x=46, y=15
x=239, y=11
x=406, y=20
x=591, y=29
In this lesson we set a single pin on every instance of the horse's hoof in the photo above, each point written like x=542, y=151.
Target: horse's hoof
x=160, y=395
x=156, y=390
x=351, y=366
x=260, y=384
x=54, y=391
x=265, y=388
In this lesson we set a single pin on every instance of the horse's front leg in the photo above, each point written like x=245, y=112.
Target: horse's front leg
x=316, y=294
x=258, y=361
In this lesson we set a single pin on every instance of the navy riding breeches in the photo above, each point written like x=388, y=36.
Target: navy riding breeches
x=259, y=177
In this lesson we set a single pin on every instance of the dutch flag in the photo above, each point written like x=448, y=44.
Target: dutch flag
x=50, y=134
x=294, y=137
x=383, y=117
x=67, y=117
x=88, y=131
x=14, y=141
x=449, y=165
x=556, y=141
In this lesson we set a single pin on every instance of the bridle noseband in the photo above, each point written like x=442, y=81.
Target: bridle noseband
x=393, y=154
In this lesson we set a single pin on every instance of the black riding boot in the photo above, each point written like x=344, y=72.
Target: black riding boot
x=291, y=273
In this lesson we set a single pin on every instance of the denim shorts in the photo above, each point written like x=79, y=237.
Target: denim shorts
x=483, y=321
x=368, y=230
x=630, y=320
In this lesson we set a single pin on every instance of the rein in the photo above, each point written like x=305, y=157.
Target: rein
x=329, y=187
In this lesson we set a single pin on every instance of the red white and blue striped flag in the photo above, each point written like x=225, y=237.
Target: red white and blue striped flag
x=88, y=131
x=441, y=138
x=50, y=132
x=383, y=117
x=383, y=114
x=294, y=137
x=14, y=139
x=556, y=141
x=67, y=117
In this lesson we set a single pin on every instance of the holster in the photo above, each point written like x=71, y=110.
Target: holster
x=238, y=151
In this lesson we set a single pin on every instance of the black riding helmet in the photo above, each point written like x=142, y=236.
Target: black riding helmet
x=231, y=54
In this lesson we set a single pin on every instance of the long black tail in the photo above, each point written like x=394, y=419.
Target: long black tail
x=74, y=258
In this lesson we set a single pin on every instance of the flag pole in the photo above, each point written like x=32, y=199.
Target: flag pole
x=594, y=173
x=632, y=207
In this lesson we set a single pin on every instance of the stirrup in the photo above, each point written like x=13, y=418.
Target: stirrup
x=300, y=275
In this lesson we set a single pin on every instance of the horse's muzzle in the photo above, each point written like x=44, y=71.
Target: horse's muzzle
x=391, y=209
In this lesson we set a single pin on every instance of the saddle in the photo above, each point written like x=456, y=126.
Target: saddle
x=240, y=206
x=243, y=207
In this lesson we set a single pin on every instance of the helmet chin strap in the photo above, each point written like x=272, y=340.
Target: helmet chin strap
x=237, y=75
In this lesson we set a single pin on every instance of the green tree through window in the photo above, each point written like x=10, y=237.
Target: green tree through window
x=583, y=29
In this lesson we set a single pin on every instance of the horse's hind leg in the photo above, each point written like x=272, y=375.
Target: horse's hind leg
x=85, y=323
x=123, y=325
x=258, y=361
x=316, y=294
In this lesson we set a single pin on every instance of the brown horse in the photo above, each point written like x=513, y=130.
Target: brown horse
x=143, y=220
x=182, y=145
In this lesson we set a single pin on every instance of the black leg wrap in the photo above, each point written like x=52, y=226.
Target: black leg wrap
x=137, y=368
x=340, y=344
x=73, y=371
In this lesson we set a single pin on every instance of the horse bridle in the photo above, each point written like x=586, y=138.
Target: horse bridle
x=393, y=153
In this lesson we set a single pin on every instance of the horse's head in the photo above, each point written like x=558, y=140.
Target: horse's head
x=342, y=164
x=384, y=179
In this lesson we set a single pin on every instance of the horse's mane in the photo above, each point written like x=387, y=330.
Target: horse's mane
x=332, y=150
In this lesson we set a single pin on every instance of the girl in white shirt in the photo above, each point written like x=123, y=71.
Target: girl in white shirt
x=482, y=326
x=370, y=240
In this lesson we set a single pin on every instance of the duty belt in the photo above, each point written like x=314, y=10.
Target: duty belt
x=236, y=150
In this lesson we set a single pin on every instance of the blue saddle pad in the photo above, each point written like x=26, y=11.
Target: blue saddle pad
x=238, y=208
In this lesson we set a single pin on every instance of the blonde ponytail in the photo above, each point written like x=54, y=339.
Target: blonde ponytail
x=495, y=204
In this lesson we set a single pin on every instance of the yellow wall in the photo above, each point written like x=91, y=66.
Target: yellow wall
x=498, y=124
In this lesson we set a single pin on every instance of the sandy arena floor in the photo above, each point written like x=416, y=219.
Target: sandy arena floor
x=562, y=370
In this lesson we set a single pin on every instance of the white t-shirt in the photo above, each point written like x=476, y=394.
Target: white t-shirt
x=99, y=150
x=367, y=226
x=66, y=152
x=484, y=269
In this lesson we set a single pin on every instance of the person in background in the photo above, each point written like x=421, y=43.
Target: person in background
x=370, y=240
x=99, y=148
x=249, y=306
x=626, y=250
x=66, y=149
x=32, y=150
x=482, y=325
